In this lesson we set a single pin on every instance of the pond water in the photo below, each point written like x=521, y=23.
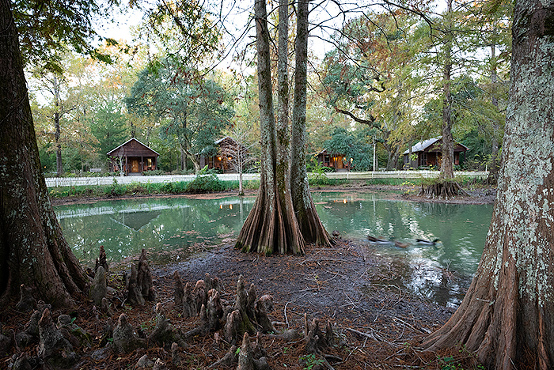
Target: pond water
x=166, y=225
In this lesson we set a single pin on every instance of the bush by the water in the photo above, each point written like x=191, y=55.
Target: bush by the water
x=202, y=184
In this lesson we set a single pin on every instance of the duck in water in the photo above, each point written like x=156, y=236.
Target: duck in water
x=378, y=240
x=427, y=242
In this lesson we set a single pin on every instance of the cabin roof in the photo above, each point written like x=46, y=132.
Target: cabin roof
x=422, y=145
x=131, y=142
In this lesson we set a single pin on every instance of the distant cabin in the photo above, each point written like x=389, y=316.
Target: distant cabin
x=227, y=150
x=429, y=153
x=333, y=160
x=133, y=157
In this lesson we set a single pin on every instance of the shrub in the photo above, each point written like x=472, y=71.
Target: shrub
x=205, y=183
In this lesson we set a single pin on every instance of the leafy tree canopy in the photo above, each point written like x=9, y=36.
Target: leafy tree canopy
x=354, y=146
x=190, y=108
x=48, y=28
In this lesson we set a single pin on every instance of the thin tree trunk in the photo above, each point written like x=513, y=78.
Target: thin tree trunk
x=57, y=133
x=447, y=170
x=310, y=224
x=269, y=228
x=493, y=171
x=507, y=315
x=32, y=248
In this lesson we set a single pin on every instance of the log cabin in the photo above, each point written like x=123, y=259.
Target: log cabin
x=428, y=153
x=333, y=160
x=229, y=152
x=133, y=158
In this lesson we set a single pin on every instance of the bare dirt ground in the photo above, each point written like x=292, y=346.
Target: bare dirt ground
x=376, y=321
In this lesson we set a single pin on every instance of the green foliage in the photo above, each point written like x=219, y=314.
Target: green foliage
x=394, y=181
x=109, y=127
x=49, y=28
x=310, y=361
x=191, y=109
x=205, y=182
x=353, y=145
x=201, y=186
x=314, y=166
x=116, y=189
x=325, y=181
x=451, y=363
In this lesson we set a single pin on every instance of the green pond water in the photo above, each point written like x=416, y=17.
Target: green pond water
x=165, y=225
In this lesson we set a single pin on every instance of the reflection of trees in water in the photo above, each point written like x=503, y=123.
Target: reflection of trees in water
x=126, y=227
x=435, y=284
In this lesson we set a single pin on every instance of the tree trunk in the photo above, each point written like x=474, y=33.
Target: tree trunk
x=57, y=134
x=310, y=225
x=270, y=227
x=32, y=249
x=494, y=167
x=506, y=317
x=447, y=171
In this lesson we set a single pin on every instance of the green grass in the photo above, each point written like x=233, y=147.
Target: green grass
x=394, y=181
x=325, y=181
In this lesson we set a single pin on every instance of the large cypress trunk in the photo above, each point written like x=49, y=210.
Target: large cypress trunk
x=310, y=225
x=32, y=249
x=506, y=317
x=271, y=226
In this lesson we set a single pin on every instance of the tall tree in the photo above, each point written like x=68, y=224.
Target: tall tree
x=271, y=226
x=447, y=162
x=370, y=76
x=32, y=248
x=310, y=225
x=192, y=109
x=52, y=83
x=506, y=316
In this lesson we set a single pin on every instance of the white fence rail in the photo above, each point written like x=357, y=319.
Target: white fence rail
x=80, y=181
x=400, y=174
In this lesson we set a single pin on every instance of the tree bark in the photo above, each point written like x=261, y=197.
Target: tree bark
x=271, y=226
x=494, y=167
x=32, y=249
x=310, y=225
x=506, y=317
x=447, y=170
x=57, y=134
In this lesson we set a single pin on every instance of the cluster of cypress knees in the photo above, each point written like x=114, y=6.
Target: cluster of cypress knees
x=237, y=323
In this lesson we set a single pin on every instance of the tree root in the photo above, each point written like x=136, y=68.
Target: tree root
x=442, y=189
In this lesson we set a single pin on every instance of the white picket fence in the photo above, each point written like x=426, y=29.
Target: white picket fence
x=81, y=181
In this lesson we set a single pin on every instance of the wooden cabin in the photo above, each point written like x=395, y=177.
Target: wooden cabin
x=133, y=157
x=335, y=161
x=428, y=153
x=225, y=160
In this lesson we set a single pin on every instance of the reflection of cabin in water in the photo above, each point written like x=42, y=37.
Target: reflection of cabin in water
x=429, y=153
x=226, y=158
x=135, y=220
x=133, y=157
x=336, y=161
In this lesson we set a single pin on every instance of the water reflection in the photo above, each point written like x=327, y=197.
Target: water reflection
x=125, y=227
x=441, y=272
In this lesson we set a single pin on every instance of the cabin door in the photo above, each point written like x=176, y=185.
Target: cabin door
x=134, y=165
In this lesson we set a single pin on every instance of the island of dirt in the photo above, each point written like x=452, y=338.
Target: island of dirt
x=376, y=320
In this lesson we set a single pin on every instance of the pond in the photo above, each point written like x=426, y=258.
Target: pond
x=185, y=225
